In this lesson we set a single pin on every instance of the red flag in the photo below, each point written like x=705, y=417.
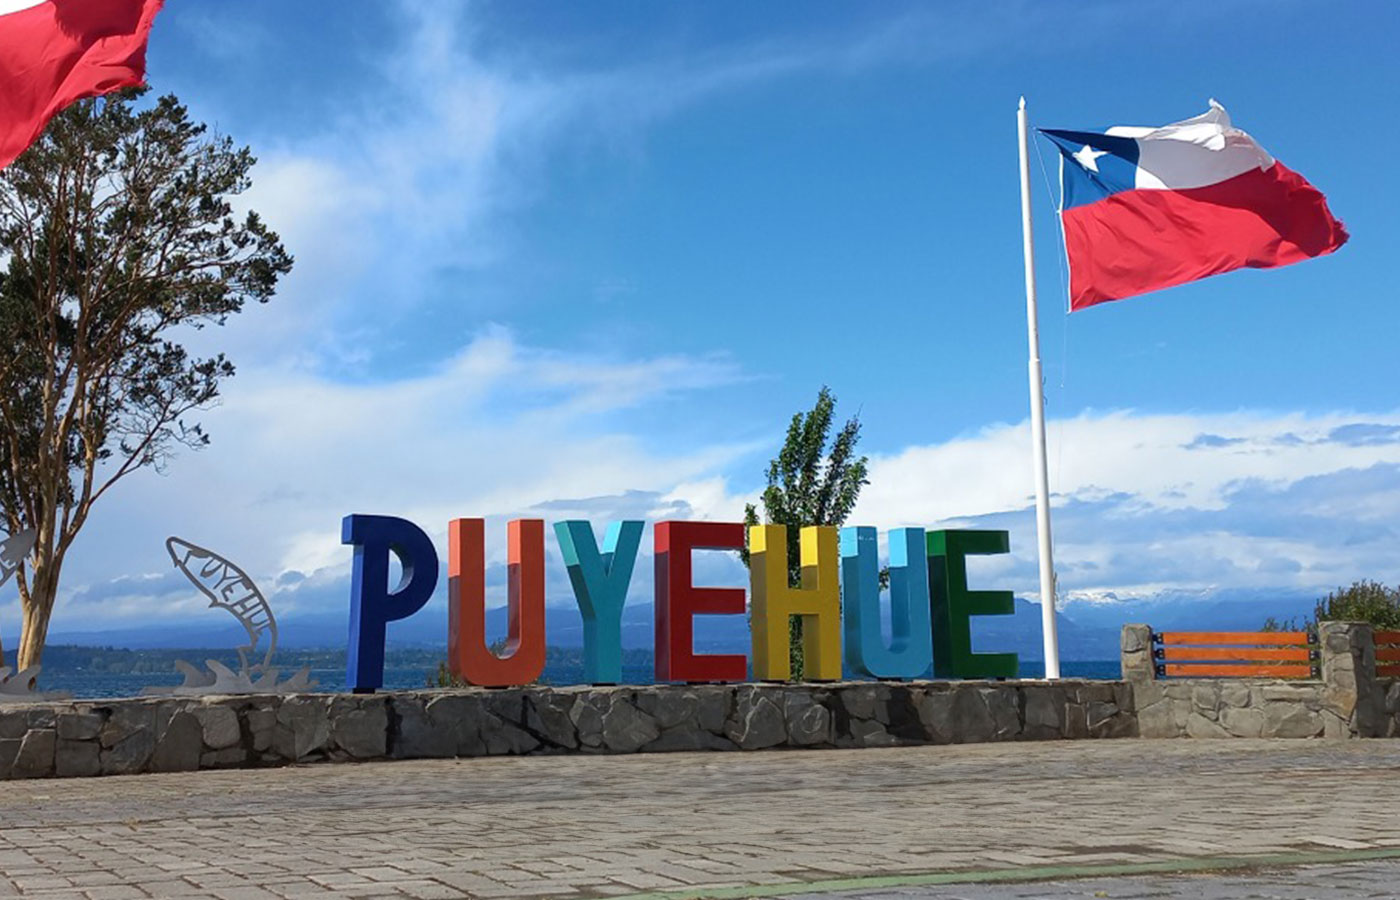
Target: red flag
x=54, y=52
x=1148, y=208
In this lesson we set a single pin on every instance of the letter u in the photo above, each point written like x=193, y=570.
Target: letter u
x=910, y=652
x=469, y=656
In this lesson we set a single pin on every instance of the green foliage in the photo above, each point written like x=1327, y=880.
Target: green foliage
x=117, y=235
x=1364, y=601
x=812, y=481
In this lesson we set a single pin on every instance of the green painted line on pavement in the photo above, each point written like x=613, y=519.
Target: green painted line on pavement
x=1021, y=873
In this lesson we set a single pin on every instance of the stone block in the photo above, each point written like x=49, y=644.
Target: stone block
x=935, y=713
x=507, y=705
x=1242, y=722
x=128, y=739
x=228, y=758
x=1146, y=693
x=78, y=758
x=36, y=754
x=1336, y=728
x=79, y=725
x=459, y=718
x=1234, y=693
x=41, y=717
x=869, y=733
x=303, y=727
x=1205, y=700
x=1005, y=711
x=1277, y=691
x=668, y=707
x=1180, y=690
x=1107, y=720
x=587, y=715
x=969, y=719
x=501, y=738
x=684, y=738
x=1198, y=726
x=902, y=713
x=9, y=749
x=1158, y=720
x=714, y=703
x=1287, y=720
x=262, y=725
x=548, y=718
x=626, y=729
x=864, y=701
x=808, y=722
x=757, y=721
x=1135, y=638
x=219, y=725
x=179, y=744
x=414, y=736
x=14, y=724
x=125, y=720
x=1338, y=700
x=1045, y=712
x=360, y=726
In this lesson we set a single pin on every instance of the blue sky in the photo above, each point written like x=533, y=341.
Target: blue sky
x=585, y=259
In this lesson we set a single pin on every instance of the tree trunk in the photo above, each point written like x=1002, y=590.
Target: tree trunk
x=38, y=607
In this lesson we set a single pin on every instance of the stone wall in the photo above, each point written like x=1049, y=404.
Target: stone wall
x=1346, y=702
x=1389, y=689
x=162, y=735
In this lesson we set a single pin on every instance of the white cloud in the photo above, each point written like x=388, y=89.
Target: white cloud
x=495, y=431
x=1146, y=504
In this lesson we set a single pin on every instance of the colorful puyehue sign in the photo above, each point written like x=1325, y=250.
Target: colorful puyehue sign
x=930, y=603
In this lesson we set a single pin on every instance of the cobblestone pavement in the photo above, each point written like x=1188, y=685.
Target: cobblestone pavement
x=579, y=826
x=1358, y=881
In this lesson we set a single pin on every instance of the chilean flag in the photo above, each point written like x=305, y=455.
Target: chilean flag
x=54, y=52
x=1148, y=208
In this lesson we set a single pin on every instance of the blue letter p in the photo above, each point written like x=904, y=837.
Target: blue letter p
x=372, y=604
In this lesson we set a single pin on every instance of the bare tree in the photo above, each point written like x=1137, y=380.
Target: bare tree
x=116, y=232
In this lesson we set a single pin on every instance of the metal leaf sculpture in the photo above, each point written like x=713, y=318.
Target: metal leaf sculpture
x=13, y=550
x=229, y=587
x=20, y=685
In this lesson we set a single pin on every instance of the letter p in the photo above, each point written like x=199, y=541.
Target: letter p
x=372, y=604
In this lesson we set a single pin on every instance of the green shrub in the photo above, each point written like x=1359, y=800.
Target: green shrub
x=1365, y=601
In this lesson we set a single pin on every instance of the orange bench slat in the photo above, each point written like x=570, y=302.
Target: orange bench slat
x=1388, y=654
x=1391, y=671
x=1241, y=654
x=1188, y=670
x=1387, y=637
x=1264, y=638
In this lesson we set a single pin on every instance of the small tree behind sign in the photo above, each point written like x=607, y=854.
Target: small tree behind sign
x=809, y=484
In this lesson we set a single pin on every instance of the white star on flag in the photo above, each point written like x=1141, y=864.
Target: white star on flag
x=1087, y=156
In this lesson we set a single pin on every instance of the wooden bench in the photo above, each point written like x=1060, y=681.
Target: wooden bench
x=1236, y=654
x=1387, y=654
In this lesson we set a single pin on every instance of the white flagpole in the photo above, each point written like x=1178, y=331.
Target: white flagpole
x=1042, y=477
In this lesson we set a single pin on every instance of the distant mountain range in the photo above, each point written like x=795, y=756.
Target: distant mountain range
x=1088, y=630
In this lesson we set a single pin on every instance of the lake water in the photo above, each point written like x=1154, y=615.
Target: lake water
x=95, y=685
